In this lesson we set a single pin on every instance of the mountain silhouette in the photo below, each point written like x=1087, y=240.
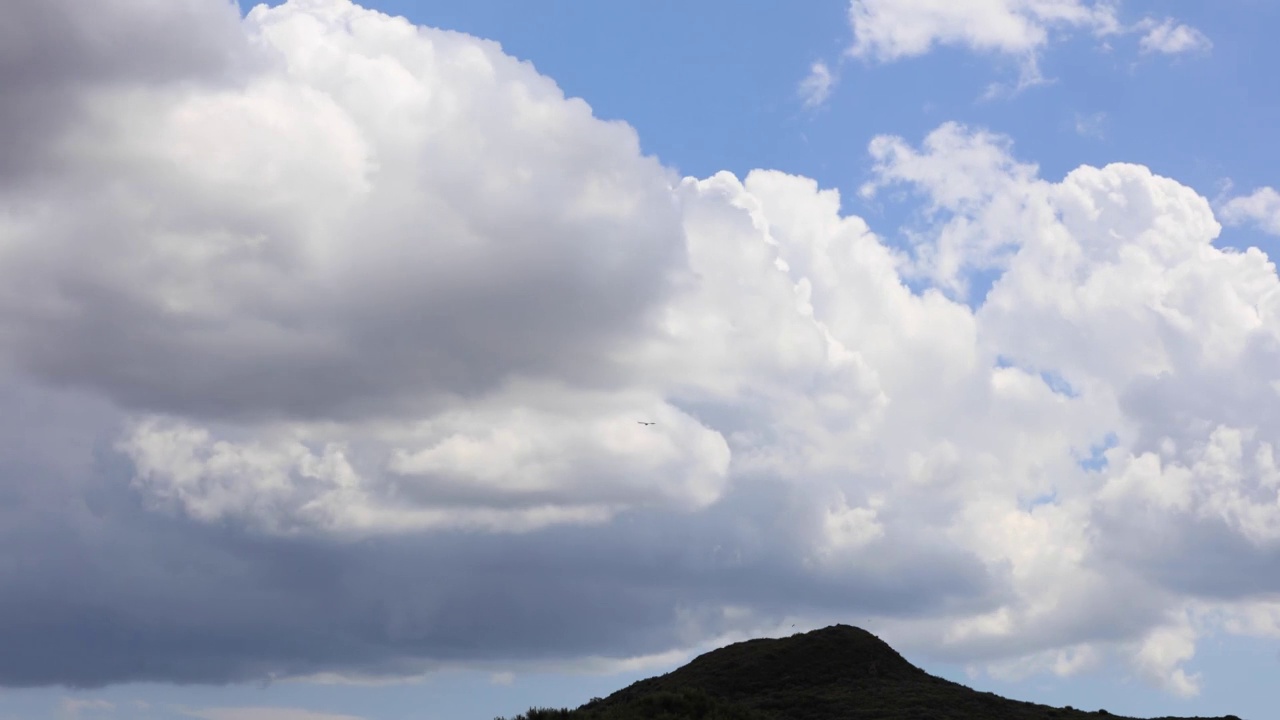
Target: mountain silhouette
x=837, y=673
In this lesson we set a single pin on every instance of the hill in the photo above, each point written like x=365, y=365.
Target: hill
x=839, y=672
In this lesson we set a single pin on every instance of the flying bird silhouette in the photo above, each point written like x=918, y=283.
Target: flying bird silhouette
x=643, y=422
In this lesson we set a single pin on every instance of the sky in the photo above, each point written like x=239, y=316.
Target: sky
x=327, y=330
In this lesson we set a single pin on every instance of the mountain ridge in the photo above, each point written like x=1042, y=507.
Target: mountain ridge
x=839, y=671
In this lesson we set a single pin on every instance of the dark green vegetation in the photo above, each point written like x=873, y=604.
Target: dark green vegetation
x=839, y=672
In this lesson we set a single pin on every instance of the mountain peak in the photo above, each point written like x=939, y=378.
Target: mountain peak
x=838, y=659
x=839, y=672
x=835, y=654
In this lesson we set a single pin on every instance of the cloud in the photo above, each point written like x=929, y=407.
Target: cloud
x=221, y=213
x=892, y=30
x=51, y=55
x=74, y=708
x=1129, y=256
x=496, y=465
x=965, y=172
x=817, y=85
x=1260, y=208
x=262, y=713
x=1256, y=619
x=888, y=30
x=1091, y=125
x=1171, y=38
x=1163, y=651
x=341, y=375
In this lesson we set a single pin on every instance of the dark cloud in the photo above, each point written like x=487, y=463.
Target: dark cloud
x=98, y=590
x=1201, y=557
x=54, y=52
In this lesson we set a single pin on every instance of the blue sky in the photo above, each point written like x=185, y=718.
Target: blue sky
x=324, y=399
x=713, y=87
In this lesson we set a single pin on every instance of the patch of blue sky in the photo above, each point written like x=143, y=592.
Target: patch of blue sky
x=980, y=283
x=1058, y=384
x=1052, y=378
x=450, y=695
x=1047, y=498
x=1231, y=662
x=1097, y=458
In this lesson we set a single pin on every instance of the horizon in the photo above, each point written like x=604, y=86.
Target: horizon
x=386, y=360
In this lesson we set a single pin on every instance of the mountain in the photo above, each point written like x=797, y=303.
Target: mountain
x=839, y=672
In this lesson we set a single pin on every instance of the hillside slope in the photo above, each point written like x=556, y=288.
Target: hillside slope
x=839, y=672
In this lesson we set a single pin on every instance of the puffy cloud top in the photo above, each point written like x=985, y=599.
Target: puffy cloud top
x=368, y=185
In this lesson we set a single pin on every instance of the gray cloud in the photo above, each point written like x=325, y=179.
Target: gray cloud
x=99, y=590
x=279, y=226
x=52, y=54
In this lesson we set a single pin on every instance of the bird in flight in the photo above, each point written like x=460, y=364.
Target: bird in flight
x=643, y=422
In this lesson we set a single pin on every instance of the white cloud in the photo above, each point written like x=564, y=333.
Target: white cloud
x=1171, y=37
x=816, y=87
x=1230, y=478
x=1129, y=256
x=514, y=463
x=1254, y=618
x=847, y=528
x=1260, y=208
x=961, y=172
x=889, y=30
x=1064, y=662
x=1162, y=652
x=224, y=214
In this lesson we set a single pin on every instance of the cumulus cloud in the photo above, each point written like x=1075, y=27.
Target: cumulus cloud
x=223, y=220
x=969, y=173
x=1129, y=256
x=1161, y=654
x=50, y=55
x=1260, y=208
x=1171, y=37
x=892, y=30
x=496, y=465
x=339, y=366
x=888, y=30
